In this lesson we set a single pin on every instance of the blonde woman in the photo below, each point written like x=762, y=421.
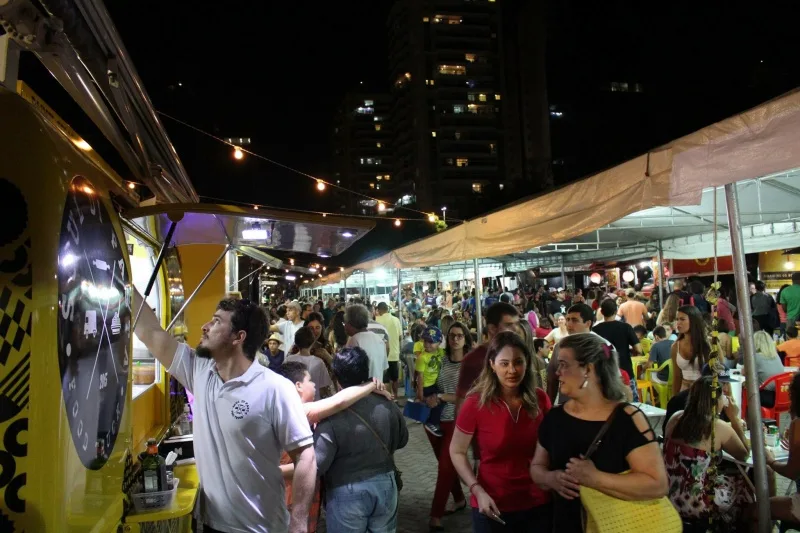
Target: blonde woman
x=768, y=364
x=670, y=311
x=502, y=413
x=560, y=330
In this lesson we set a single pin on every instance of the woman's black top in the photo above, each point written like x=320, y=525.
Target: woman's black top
x=565, y=437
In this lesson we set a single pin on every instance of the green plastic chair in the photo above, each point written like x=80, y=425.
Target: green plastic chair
x=664, y=390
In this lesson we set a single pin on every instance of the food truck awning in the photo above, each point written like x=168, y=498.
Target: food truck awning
x=247, y=229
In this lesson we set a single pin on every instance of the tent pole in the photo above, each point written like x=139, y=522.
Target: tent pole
x=344, y=280
x=563, y=274
x=399, y=296
x=478, y=290
x=364, y=295
x=661, y=280
x=746, y=325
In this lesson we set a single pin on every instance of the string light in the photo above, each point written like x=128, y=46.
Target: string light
x=397, y=222
x=381, y=207
x=431, y=218
x=237, y=153
x=255, y=207
x=321, y=184
x=131, y=185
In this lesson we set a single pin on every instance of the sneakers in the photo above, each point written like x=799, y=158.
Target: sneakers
x=434, y=430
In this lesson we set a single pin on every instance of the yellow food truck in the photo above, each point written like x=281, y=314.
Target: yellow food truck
x=79, y=394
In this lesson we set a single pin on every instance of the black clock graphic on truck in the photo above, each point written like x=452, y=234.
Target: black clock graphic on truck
x=94, y=322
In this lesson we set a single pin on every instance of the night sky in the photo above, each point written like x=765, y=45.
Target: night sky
x=276, y=72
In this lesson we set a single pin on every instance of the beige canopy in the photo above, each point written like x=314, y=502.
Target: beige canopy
x=753, y=144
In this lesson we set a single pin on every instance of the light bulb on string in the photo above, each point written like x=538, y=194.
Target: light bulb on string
x=131, y=185
x=237, y=153
x=397, y=222
x=431, y=218
x=320, y=185
x=381, y=207
x=255, y=207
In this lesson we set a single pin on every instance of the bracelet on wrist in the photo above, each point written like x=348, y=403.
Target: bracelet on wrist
x=473, y=486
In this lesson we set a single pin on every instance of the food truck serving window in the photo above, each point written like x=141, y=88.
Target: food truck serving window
x=146, y=369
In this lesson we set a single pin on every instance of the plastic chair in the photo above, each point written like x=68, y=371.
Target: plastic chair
x=643, y=384
x=792, y=360
x=663, y=389
x=782, y=402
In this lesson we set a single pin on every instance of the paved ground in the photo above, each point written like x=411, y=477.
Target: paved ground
x=418, y=465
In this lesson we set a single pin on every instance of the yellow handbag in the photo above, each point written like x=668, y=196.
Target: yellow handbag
x=607, y=514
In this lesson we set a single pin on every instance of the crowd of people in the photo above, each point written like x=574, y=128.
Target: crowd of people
x=297, y=406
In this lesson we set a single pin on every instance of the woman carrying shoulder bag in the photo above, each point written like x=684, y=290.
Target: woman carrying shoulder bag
x=588, y=373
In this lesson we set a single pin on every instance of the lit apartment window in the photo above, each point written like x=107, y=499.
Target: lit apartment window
x=379, y=177
x=458, y=108
x=477, y=187
x=378, y=186
x=378, y=145
x=426, y=19
x=470, y=57
x=454, y=70
x=497, y=97
x=377, y=127
x=619, y=86
x=502, y=186
x=365, y=110
x=462, y=162
x=492, y=148
x=457, y=135
x=387, y=177
x=433, y=134
x=377, y=119
x=447, y=19
x=371, y=185
x=369, y=103
x=482, y=97
x=471, y=97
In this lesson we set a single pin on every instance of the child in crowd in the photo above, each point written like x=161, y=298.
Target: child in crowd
x=644, y=340
x=428, y=364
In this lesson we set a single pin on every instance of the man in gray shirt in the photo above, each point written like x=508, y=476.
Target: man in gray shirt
x=355, y=451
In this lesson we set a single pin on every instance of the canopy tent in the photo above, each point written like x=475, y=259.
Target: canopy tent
x=667, y=185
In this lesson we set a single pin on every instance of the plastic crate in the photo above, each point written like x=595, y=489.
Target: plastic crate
x=155, y=501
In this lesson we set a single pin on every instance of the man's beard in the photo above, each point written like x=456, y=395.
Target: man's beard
x=203, y=352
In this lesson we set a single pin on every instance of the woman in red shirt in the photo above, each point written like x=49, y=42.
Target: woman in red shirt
x=502, y=413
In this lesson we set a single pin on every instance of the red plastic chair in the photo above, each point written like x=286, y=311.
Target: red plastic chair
x=792, y=360
x=782, y=402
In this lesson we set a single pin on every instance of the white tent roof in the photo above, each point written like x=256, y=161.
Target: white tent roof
x=666, y=194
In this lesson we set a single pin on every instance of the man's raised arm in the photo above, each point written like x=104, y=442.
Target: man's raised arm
x=160, y=343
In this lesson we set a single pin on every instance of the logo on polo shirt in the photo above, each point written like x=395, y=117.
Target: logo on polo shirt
x=240, y=409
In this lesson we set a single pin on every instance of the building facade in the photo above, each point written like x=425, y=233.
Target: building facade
x=469, y=111
x=362, y=153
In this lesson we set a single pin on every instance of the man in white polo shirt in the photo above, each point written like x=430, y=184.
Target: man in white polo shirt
x=244, y=415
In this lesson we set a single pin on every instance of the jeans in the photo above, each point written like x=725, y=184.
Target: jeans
x=534, y=520
x=369, y=505
x=436, y=412
x=447, y=481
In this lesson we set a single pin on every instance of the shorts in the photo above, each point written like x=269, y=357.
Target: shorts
x=392, y=373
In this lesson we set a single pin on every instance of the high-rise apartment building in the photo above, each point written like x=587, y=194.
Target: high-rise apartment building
x=362, y=153
x=469, y=119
